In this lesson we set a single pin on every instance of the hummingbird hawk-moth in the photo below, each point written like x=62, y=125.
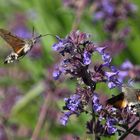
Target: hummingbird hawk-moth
x=19, y=45
x=128, y=97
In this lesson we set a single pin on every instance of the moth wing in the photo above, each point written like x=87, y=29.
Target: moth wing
x=130, y=93
x=118, y=101
x=14, y=41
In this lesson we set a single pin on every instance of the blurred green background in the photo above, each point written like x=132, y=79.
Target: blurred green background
x=30, y=101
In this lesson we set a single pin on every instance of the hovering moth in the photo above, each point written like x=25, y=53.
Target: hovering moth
x=19, y=45
x=128, y=97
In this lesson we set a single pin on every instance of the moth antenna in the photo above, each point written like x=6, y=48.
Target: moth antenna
x=33, y=31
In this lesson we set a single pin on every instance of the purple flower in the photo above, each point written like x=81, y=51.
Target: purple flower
x=108, y=7
x=122, y=75
x=104, y=114
x=106, y=58
x=56, y=74
x=96, y=105
x=77, y=37
x=73, y=103
x=98, y=16
x=110, y=75
x=113, y=79
x=110, y=13
x=100, y=50
x=58, y=46
x=87, y=58
x=127, y=65
x=109, y=117
x=111, y=129
x=113, y=69
x=111, y=85
x=63, y=46
x=76, y=50
x=110, y=122
x=65, y=117
x=95, y=98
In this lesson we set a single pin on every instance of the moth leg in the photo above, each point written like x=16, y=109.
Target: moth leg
x=11, y=58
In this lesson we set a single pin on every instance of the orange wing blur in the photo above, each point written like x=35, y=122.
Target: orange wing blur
x=118, y=101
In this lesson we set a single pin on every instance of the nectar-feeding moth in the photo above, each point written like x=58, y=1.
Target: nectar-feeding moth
x=128, y=97
x=19, y=45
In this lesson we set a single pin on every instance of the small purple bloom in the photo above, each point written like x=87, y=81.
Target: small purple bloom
x=110, y=75
x=87, y=58
x=98, y=16
x=58, y=46
x=95, y=98
x=127, y=65
x=64, y=118
x=122, y=75
x=96, y=105
x=110, y=122
x=73, y=103
x=106, y=58
x=111, y=85
x=113, y=69
x=113, y=79
x=100, y=50
x=56, y=74
x=111, y=130
x=108, y=7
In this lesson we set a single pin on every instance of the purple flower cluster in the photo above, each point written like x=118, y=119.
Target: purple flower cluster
x=112, y=11
x=76, y=51
x=75, y=104
x=109, y=118
x=105, y=123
